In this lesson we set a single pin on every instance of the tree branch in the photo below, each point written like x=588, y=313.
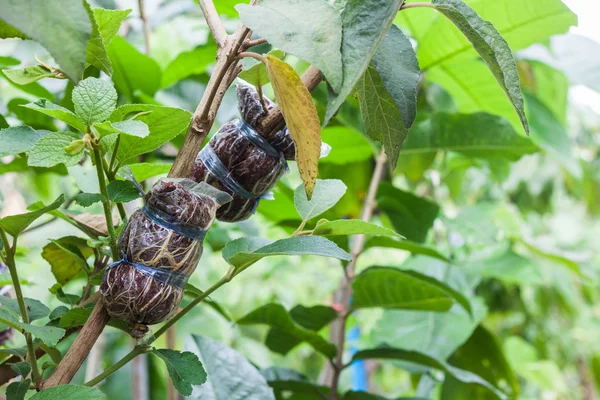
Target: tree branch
x=338, y=330
x=214, y=22
x=146, y=26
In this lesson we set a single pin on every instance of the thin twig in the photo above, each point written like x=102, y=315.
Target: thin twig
x=416, y=5
x=214, y=22
x=146, y=26
x=339, y=329
x=253, y=42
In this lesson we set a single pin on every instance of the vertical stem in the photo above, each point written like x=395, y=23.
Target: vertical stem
x=106, y=205
x=339, y=328
x=10, y=263
x=172, y=393
x=146, y=26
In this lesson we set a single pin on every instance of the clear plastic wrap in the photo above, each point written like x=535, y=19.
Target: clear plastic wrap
x=160, y=246
x=242, y=163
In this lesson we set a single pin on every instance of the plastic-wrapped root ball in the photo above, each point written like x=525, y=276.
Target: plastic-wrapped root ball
x=240, y=162
x=160, y=246
x=5, y=334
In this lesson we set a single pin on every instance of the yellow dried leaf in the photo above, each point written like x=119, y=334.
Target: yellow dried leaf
x=301, y=117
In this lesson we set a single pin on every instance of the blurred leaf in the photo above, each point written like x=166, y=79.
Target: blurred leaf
x=383, y=119
x=35, y=308
x=300, y=116
x=193, y=62
x=87, y=199
x=481, y=354
x=70, y=392
x=18, y=139
x=313, y=32
x=391, y=353
x=520, y=23
x=325, y=195
x=551, y=256
x=109, y=22
x=478, y=135
x=432, y=294
x=94, y=99
x=165, y=123
x=396, y=63
x=15, y=224
x=364, y=24
x=406, y=245
x=122, y=191
x=50, y=150
x=8, y=31
x=549, y=85
x=132, y=69
x=352, y=227
x=67, y=256
x=96, y=48
x=509, y=267
x=17, y=390
x=347, y=145
x=185, y=369
x=242, y=253
x=64, y=35
x=275, y=316
x=548, y=132
x=410, y=215
x=143, y=171
x=230, y=375
x=28, y=75
x=292, y=381
x=47, y=107
x=369, y=396
x=22, y=368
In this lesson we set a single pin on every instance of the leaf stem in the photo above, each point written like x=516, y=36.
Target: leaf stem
x=12, y=267
x=416, y=5
x=112, y=239
x=142, y=348
x=256, y=56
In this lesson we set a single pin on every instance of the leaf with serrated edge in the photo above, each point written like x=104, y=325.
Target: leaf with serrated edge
x=185, y=369
x=300, y=116
x=15, y=224
x=50, y=150
x=28, y=75
x=47, y=107
x=94, y=99
x=18, y=139
x=326, y=194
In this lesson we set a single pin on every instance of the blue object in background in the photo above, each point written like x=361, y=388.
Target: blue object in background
x=358, y=368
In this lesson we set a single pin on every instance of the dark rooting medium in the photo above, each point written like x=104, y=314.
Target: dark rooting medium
x=160, y=246
x=241, y=162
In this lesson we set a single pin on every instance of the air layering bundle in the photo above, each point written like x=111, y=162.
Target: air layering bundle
x=160, y=246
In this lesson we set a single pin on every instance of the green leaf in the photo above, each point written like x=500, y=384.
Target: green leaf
x=75, y=317
x=255, y=72
x=230, y=375
x=18, y=139
x=47, y=334
x=15, y=224
x=75, y=147
x=347, y=145
x=391, y=353
x=520, y=23
x=550, y=134
x=122, y=191
x=69, y=392
x=29, y=117
x=87, y=199
x=35, y=308
x=185, y=369
x=50, y=150
x=396, y=63
x=47, y=107
x=94, y=99
x=406, y=245
x=63, y=34
x=310, y=30
x=132, y=69
x=22, y=368
x=300, y=245
x=393, y=288
x=491, y=47
x=109, y=22
x=410, y=215
x=127, y=127
x=325, y=195
x=96, y=49
x=67, y=257
x=143, y=171
x=193, y=62
x=275, y=316
x=17, y=390
x=551, y=256
x=481, y=354
x=58, y=312
x=364, y=24
x=28, y=75
x=478, y=135
x=165, y=123
x=283, y=379
x=352, y=227
x=382, y=117
x=8, y=31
